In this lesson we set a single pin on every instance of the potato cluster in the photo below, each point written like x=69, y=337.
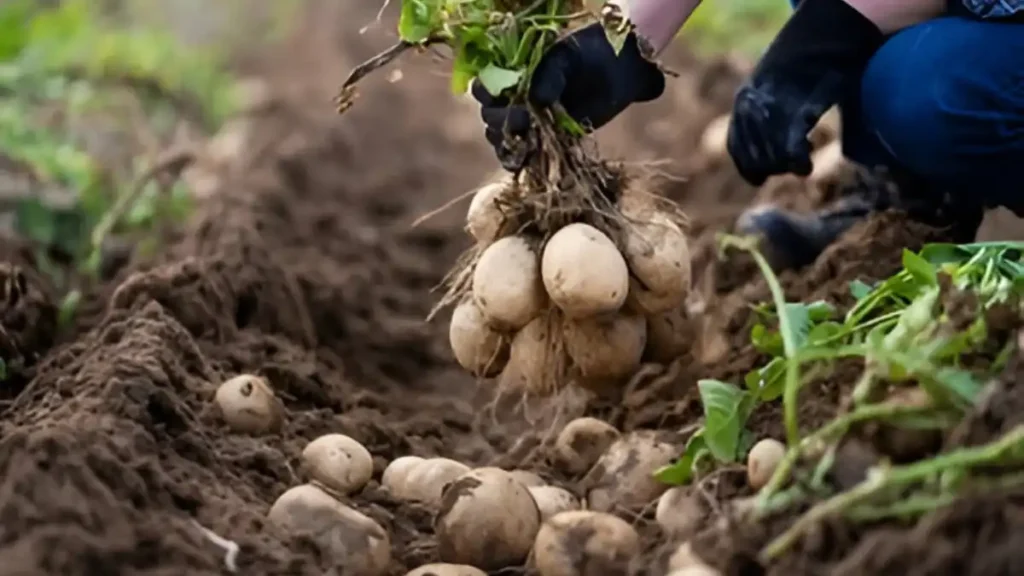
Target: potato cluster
x=577, y=306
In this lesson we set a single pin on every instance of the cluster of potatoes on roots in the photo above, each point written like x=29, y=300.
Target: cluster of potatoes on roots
x=578, y=304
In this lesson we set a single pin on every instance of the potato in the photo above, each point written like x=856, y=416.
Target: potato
x=346, y=536
x=527, y=478
x=507, y=285
x=695, y=570
x=485, y=218
x=487, y=519
x=762, y=460
x=624, y=476
x=582, y=442
x=248, y=405
x=607, y=347
x=585, y=543
x=584, y=273
x=447, y=570
x=338, y=462
x=552, y=500
x=478, y=348
x=534, y=361
x=669, y=336
x=713, y=140
x=683, y=557
x=680, y=513
x=659, y=258
x=397, y=473
x=426, y=481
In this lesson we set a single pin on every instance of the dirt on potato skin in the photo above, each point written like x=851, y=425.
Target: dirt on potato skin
x=303, y=268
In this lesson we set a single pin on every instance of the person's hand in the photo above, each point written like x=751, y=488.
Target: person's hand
x=583, y=74
x=768, y=136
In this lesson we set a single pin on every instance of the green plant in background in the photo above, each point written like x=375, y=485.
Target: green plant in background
x=742, y=26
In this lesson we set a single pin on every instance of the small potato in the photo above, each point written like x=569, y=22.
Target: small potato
x=763, y=459
x=426, y=481
x=624, y=476
x=683, y=557
x=487, y=519
x=248, y=405
x=480, y=349
x=552, y=500
x=397, y=473
x=346, y=536
x=695, y=570
x=584, y=273
x=585, y=543
x=606, y=348
x=669, y=336
x=447, y=570
x=485, y=218
x=507, y=285
x=527, y=478
x=338, y=462
x=659, y=258
x=534, y=362
x=680, y=513
x=582, y=442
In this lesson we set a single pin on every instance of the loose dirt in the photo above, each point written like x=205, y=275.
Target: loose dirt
x=302, y=266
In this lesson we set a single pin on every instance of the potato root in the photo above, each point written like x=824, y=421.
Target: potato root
x=338, y=462
x=585, y=543
x=624, y=476
x=480, y=349
x=507, y=284
x=582, y=442
x=658, y=256
x=583, y=271
x=487, y=519
x=248, y=405
x=606, y=348
x=346, y=536
x=536, y=360
x=762, y=460
x=553, y=500
x=680, y=513
x=446, y=570
x=425, y=481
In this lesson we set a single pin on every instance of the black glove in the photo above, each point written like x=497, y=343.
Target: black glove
x=582, y=73
x=818, y=55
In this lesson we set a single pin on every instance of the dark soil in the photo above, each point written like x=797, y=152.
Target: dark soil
x=303, y=267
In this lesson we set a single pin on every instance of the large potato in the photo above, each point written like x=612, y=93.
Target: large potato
x=584, y=273
x=349, y=538
x=480, y=349
x=535, y=359
x=487, y=519
x=659, y=258
x=485, y=217
x=624, y=476
x=606, y=348
x=585, y=543
x=507, y=285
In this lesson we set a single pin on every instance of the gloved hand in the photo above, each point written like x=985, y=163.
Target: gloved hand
x=582, y=73
x=816, y=58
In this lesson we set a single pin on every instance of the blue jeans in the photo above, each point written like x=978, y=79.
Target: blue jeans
x=943, y=101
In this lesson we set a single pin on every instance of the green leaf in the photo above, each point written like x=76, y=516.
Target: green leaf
x=922, y=270
x=418, y=19
x=726, y=409
x=859, y=289
x=766, y=342
x=35, y=221
x=496, y=79
x=768, y=382
x=682, y=470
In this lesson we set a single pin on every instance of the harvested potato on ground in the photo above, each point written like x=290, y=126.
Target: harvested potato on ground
x=762, y=460
x=397, y=473
x=553, y=500
x=527, y=478
x=669, y=336
x=507, y=285
x=696, y=570
x=584, y=543
x=584, y=273
x=683, y=557
x=680, y=512
x=480, y=349
x=658, y=255
x=606, y=347
x=535, y=363
x=248, y=405
x=485, y=218
x=487, y=519
x=581, y=443
x=426, y=480
x=338, y=462
x=447, y=570
x=624, y=476
x=346, y=536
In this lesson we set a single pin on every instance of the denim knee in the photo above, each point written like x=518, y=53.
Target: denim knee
x=945, y=99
